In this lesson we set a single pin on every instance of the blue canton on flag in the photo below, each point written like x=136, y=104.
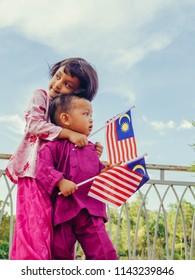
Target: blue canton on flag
x=124, y=126
x=138, y=165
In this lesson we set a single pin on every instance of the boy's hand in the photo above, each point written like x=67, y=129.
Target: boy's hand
x=110, y=166
x=99, y=148
x=66, y=187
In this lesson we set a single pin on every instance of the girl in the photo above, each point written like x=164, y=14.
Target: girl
x=33, y=228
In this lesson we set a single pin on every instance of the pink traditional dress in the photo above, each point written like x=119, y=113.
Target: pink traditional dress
x=33, y=229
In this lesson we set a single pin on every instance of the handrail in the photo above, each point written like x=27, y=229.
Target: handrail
x=157, y=191
x=5, y=156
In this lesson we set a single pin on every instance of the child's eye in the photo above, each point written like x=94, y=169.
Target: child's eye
x=68, y=85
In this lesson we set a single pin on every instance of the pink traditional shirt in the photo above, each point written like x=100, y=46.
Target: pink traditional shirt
x=38, y=130
x=61, y=159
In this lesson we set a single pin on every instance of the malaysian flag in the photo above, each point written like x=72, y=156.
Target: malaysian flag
x=118, y=184
x=120, y=139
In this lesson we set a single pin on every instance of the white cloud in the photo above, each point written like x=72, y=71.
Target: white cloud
x=170, y=124
x=160, y=125
x=136, y=54
x=123, y=29
x=185, y=125
x=128, y=95
x=14, y=123
x=146, y=143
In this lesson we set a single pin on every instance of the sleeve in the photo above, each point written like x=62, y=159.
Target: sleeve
x=46, y=174
x=36, y=118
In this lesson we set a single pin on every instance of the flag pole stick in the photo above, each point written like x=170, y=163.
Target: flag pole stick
x=92, y=178
x=82, y=183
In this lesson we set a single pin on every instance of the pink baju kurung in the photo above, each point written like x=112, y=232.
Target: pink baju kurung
x=33, y=229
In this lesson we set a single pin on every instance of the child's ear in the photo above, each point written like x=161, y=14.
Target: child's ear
x=64, y=119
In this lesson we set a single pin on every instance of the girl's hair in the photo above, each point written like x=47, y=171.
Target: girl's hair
x=62, y=104
x=80, y=68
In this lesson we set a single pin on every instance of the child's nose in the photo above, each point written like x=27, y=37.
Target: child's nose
x=58, y=84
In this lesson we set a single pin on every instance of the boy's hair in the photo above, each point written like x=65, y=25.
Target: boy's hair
x=80, y=68
x=61, y=104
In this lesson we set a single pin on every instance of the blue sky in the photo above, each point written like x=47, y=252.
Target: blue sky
x=143, y=51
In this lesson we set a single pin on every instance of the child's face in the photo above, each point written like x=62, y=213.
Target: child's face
x=62, y=83
x=80, y=116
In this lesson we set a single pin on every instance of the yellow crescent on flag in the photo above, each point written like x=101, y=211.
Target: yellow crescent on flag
x=124, y=116
x=139, y=167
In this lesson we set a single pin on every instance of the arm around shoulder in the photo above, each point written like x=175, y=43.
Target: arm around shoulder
x=79, y=139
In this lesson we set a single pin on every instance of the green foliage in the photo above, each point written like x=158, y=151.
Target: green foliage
x=4, y=249
x=139, y=233
x=141, y=237
x=4, y=235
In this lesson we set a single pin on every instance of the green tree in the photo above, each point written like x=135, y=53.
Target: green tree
x=182, y=225
x=138, y=232
x=4, y=234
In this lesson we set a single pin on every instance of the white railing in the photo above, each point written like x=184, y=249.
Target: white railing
x=146, y=227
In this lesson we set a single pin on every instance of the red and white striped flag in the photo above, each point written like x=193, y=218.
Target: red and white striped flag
x=120, y=139
x=116, y=185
